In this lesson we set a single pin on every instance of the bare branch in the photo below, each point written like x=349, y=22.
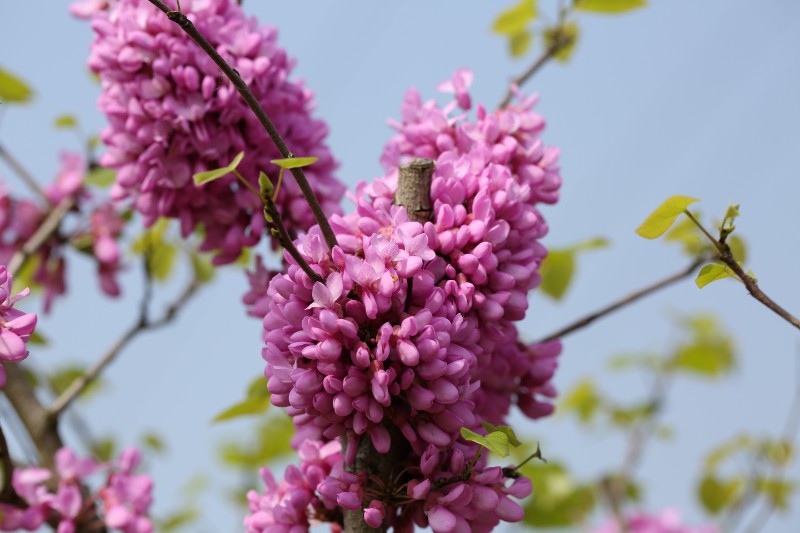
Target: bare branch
x=629, y=299
x=23, y=173
x=142, y=324
x=45, y=230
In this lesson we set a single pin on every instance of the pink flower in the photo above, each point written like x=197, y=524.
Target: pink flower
x=15, y=326
x=667, y=521
x=172, y=114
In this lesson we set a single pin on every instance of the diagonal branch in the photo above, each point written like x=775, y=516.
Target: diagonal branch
x=629, y=299
x=45, y=230
x=23, y=173
x=142, y=324
x=186, y=25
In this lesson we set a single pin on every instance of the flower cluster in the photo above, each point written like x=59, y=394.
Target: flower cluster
x=407, y=329
x=96, y=234
x=124, y=498
x=668, y=521
x=15, y=326
x=171, y=114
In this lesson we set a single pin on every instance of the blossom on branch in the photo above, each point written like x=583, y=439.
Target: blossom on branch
x=16, y=326
x=172, y=114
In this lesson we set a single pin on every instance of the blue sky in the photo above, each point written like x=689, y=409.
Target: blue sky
x=694, y=98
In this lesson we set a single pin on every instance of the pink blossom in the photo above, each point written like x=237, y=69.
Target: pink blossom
x=16, y=326
x=667, y=521
x=172, y=114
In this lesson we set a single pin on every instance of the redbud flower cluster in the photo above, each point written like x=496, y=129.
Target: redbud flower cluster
x=667, y=521
x=123, y=500
x=172, y=115
x=96, y=234
x=412, y=325
x=15, y=326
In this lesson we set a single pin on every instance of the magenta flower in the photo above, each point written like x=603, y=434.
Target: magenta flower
x=171, y=114
x=667, y=521
x=15, y=326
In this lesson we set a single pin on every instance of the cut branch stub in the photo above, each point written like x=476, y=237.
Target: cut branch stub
x=414, y=189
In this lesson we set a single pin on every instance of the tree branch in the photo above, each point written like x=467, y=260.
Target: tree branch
x=559, y=43
x=186, y=25
x=413, y=193
x=629, y=299
x=45, y=230
x=22, y=172
x=142, y=324
x=7, y=492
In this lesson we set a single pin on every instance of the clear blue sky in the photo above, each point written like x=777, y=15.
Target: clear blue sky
x=694, y=98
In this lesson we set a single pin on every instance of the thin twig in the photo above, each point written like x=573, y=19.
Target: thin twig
x=45, y=230
x=275, y=221
x=789, y=435
x=726, y=256
x=559, y=43
x=186, y=25
x=23, y=173
x=142, y=324
x=629, y=299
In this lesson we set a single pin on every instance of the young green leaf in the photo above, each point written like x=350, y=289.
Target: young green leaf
x=520, y=42
x=294, y=162
x=100, y=177
x=65, y=121
x=265, y=186
x=496, y=441
x=711, y=273
x=557, y=271
x=664, y=216
x=516, y=18
x=210, y=175
x=512, y=438
x=256, y=402
x=609, y=6
x=567, y=34
x=202, y=266
x=12, y=89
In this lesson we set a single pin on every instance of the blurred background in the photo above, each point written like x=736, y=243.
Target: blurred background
x=692, y=98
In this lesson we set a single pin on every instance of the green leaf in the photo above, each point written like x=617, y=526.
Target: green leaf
x=730, y=217
x=717, y=494
x=558, y=500
x=778, y=452
x=664, y=216
x=609, y=6
x=202, y=267
x=12, y=89
x=727, y=449
x=210, y=175
x=100, y=177
x=709, y=352
x=558, y=268
x=582, y=399
x=567, y=34
x=179, y=519
x=265, y=186
x=38, y=338
x=738, y=248
x=294, y=162
x=496, y=441
x=271, y=442
x=687, y=234
x=60, y=379
x=557, y=271
x=255, y=403
x=104, y=449
x=153, y=442
x=65, y=122
x=516, y=18
x=711, y=273
x=520, y=42
x=512, y=438
x=777, y=491
x=626, y=361
x=159, y=253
